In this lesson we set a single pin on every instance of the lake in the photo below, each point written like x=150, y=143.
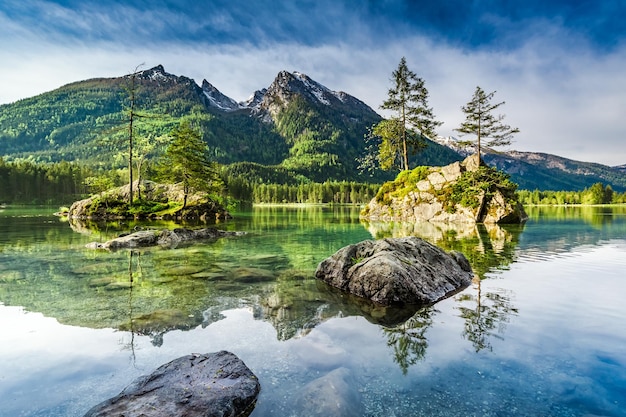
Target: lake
x=542, y=332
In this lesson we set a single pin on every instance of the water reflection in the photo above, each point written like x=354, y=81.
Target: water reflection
x=271, y=271
x=596, y=216
x=552, y=231
x=485, y=315
x=152, y=291
x=408, y=339
x=256, y=296
x=486, y=246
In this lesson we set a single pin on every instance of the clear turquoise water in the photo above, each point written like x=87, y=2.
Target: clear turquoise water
x=541, y=334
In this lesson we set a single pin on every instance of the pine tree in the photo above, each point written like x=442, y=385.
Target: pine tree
x=132, y=91
x=408, y=98
x=186, y=160
x=481, y=122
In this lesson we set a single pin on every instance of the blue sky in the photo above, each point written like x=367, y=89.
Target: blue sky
x=558, y=64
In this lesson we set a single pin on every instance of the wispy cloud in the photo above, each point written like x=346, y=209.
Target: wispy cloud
x=563, y=85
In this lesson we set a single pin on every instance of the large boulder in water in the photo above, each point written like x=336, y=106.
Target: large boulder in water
x=209, y=385
x=396, y=271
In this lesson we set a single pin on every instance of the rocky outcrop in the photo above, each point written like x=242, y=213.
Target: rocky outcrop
x=430, y=199
x=166, y=238
x=396, y=271
x=208, y=385
x=110, y=204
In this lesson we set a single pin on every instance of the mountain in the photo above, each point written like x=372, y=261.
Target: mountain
x=217, y=99
x=294, y=130
x=296, y=126
x=534, y=170
x=621, y=168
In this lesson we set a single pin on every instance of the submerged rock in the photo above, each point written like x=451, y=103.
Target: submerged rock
x=208, y=385
x=396, y=271
x=332, y=395
x=167, y=238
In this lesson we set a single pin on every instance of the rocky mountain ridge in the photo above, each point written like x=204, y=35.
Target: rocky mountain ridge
x=265, y=103
x=295, y=123
x=544, y=171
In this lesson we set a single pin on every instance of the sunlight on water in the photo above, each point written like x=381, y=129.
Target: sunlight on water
x=541, y=333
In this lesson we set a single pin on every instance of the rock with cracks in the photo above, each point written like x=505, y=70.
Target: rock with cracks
x=429, y=200
x=396, y=271
x=208, y=385
x=165, y=238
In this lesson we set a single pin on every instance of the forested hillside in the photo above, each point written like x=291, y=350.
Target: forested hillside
x=297, y=130
x=294, y=132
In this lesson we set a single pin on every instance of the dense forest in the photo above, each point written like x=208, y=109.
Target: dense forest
x=598, y=193
x=61, y=183
x=36, y=183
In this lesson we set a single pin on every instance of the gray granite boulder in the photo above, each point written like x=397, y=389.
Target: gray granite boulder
x=167, y=238
x=209, y=385
x=396, y=271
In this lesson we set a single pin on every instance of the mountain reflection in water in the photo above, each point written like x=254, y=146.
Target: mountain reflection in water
x=160, y=294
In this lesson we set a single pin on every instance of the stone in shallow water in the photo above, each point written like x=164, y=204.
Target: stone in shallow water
x=207, y=385
x=396, y=271
x=332, y=395
x=252, y=275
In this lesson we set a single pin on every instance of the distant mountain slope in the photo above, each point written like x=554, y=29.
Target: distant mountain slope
x=85, y=120
x=533, y=170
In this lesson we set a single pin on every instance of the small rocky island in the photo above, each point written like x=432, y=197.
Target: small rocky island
x=154, y=201
x=396, y=271
x=462, y=192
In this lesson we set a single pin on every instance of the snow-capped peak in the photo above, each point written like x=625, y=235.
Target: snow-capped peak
x=318, y=90
x=217, y=99
x=454, y=144
x=255, y=99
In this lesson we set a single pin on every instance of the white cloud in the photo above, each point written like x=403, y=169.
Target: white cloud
x=566, y=102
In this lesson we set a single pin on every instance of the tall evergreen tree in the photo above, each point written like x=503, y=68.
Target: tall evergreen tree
x=132, y=91
x=481, y=122
x=408, y=98
x=186, y=160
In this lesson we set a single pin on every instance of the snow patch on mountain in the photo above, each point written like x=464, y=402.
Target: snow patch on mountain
x=217, y=99
x=255, y=99
x=157, y=73
x=318, y=90
x=454, y=144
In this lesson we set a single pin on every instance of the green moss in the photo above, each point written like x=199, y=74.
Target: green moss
x=357, y=260
x=141, y=208
x=466, y=191
x=404, y=183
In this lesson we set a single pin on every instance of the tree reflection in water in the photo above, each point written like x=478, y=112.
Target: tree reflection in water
x=488, y=248
x=408, y=339
x=130, y=345
x=487, y=318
